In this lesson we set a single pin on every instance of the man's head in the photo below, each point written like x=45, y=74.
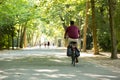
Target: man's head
x=71, y=22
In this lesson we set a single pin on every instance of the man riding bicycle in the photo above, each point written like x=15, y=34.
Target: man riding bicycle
x=73, y=34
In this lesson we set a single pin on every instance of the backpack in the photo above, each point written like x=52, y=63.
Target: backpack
x=69, y=51
x=77, y=53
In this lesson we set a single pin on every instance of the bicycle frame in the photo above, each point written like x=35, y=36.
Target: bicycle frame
x=73, y=48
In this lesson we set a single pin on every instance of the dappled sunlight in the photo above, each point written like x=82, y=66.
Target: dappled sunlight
x=102, y=77
x=52, y=64
x=46, y=70
x=60, y=56
x=86, y=55
x=15, y=71
x=31, y=48
x=2, y=76
x=34, y=74
x=56, y=60
x=53, y=73
x=33, y=78
x=59, y=75
x=40, y=47
x=90, y=54
x=1, y=71
x=116, y=71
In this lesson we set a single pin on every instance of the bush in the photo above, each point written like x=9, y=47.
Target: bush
x=104, y=42
x=118, y=46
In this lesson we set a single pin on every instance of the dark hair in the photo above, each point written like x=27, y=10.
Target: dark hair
x=71, y=22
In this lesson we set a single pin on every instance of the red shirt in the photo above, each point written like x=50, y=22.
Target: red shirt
x=73, y=32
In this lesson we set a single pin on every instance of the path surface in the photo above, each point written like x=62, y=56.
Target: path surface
x=50, y=64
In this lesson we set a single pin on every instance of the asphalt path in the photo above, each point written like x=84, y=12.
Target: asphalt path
x=50, y=64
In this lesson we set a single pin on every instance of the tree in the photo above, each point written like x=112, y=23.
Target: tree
x=112, y=4
x=85, y=26
x=96, y=51
x=117, y=24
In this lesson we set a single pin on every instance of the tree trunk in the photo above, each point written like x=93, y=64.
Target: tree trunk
x=112, y=4
x=8, y=46
x=65, y=27
x=12, y=36
x=36, y=40
x=12, y=40
x=63, y=22
x=96, y=51
x=85, y=26
x=23, y=35
x=25, y=38
x=18, y=37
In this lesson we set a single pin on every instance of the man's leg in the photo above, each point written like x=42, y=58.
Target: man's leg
x=75, y=40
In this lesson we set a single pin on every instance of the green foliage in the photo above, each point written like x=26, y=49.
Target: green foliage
x=3, y=41
x=118, y=46
x=104, y=40
x=47, y=17
x=102, y=23
x=117, y=24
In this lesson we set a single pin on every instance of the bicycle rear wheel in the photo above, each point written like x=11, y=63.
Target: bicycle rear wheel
x=73, y=58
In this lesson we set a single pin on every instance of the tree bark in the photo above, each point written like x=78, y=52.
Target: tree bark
x=112, y=4
x=12, y=36
x=96, y=51
x=18, y=37
x=85, y=26
x=25, y=38
x=65, y=27
x=63, y=22
x=23, y=35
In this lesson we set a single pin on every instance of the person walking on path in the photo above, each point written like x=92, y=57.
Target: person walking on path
x=48, y=44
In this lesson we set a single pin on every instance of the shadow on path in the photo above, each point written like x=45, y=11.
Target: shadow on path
x=51, y=67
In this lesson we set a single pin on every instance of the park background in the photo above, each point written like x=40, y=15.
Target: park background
x=27, y=23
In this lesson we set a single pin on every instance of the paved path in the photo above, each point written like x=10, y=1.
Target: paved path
x=50, y=64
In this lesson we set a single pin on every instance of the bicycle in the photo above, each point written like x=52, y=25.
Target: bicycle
x=72, y=45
